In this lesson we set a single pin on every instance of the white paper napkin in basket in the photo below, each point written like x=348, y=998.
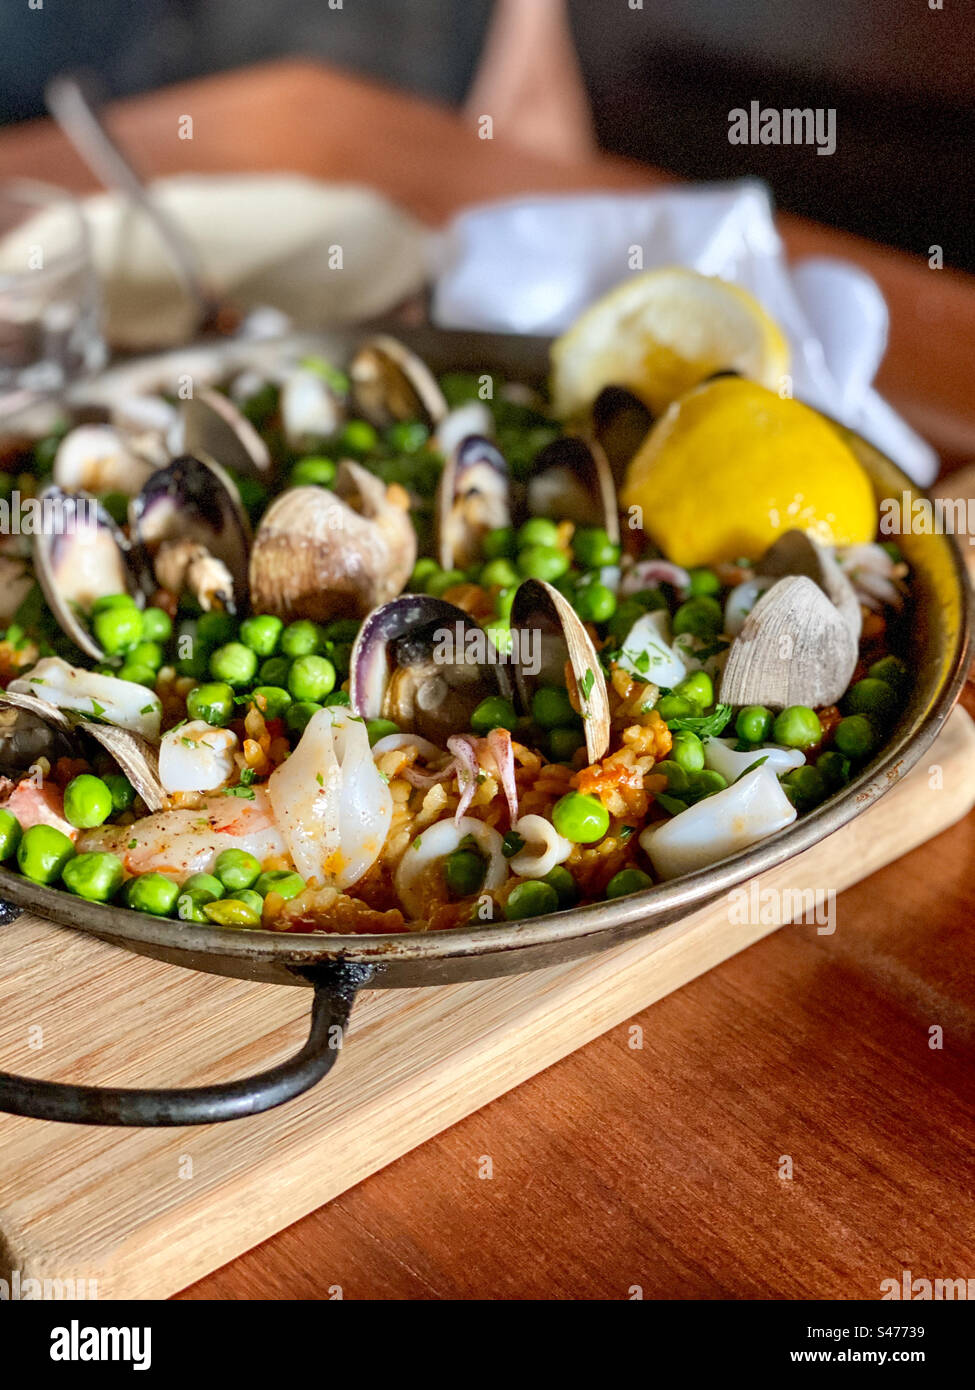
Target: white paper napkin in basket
x=531, y=265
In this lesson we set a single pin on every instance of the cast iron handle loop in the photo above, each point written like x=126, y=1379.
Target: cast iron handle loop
x=336, y=987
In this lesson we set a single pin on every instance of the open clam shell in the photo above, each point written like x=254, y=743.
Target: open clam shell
x=99, y=458
x=796, y=552
x=794, y=648
x=217, y=432
x=554, y=648
x=620, y=422
x=81, y=556
x=571, y=480
x=473, y=497
x=189, y=523
x=320, y=554
x=390, y=383
x=31, y=728
x=419, y=661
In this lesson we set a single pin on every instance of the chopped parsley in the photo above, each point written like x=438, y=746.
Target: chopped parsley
x=704, y=725
x=512, y=843
x=245, y=793
x=587, y=683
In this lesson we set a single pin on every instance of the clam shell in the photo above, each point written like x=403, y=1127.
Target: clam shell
x=217, y=432
x=540, y=609
x=794, y=648
x=620, y=422
x=473, y=497
x=796, y=552
x=390, y=383
x=320, y=554
x=571, y=480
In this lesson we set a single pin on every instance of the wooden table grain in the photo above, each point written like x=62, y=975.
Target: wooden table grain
x=661, y=1169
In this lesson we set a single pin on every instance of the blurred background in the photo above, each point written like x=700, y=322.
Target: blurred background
x=655, y=83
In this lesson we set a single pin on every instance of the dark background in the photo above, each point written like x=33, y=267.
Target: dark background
x=661, y=82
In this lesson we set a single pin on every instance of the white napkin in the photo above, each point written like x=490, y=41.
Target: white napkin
x=531, y=265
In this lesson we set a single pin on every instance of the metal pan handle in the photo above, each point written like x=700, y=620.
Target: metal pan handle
x=336, y=987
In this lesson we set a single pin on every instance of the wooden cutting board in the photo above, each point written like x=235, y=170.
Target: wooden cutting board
x=146, y=1212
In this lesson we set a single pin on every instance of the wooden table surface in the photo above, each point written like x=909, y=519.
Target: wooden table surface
x=655, y=1167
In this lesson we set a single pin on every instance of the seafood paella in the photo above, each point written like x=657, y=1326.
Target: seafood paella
x=351, y=647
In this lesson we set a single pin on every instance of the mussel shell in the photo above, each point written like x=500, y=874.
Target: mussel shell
x=571, y=481
x=77, y=562
x=217, y=432
x=195, y=501
x=396, y=673
x=26, y=734
x=566, y=658
x=390, y=383
x=473, y=497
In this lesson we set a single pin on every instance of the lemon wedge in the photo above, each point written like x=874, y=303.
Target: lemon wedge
x=659, y=334
x=731, y=466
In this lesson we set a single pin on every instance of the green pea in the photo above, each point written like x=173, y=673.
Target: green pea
x=593, y=548
x=797, y=726
x=284, y=882
x=704, y=583
x=271, y=700
x=157, y=625
x=704, y=783
x=701, y=616
x=337, y=697
x=302, y=638
x=538, y=530
x=87, y=801
x=233, y=663
x=875, y=698
x=674, y=707
x=501, y=572
x=190, y=905
x=627, y=613
x=564, y=884
x=698, y=688
x=892, y=670
x=407, y=436
x=563, y=744
x=236, y=869
x=314, y=470
x=342, y=630
x=533, y=898
x=212, y=702
x=248, y=896
x=195, y=664
x=628, y=881
x=260, y=403
x=804, y=786
x=595, y=602
x=153, y=893
x=754, y=724
x=359, y=437
x=834, y=769
x=505, y=601
x=105, y=602
x=296, y=716
x=464, y=872
x=687, y=751
x=311, y=678
x=380, y=728
x=10, y=833
x=581, y=818
x=262, y=633
x=551, y=707
x=500, y=543
x=274, y=671
x=146, y=654
x=423, y=570
x=543, y=562
x=438, y=584
x=232, y=912
x=204, y=883
x=96, y=877
x=677, y=781
x=117, y=506
x=117, y=629
x=215, y=628
x=854, y=736
x=43, y=853
x=494, y=713
x=122, y=790
x=499, y=631
x=138, y=675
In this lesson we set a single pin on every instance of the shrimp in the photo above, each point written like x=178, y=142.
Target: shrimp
x=184, y=842
x=38, y=805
